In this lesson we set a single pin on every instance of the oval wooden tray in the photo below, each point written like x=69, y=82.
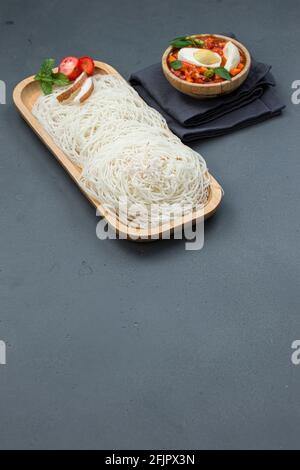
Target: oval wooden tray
x=26, y=93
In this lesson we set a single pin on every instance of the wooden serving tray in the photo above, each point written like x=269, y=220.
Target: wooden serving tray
x=26, y=93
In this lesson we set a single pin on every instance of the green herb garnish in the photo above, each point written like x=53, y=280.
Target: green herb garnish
x=184, y=41
x=180, y=38
x=179, y=43
x=48, y=78
x=176, y=64
x=196, y=41
x=209, y=73
x=222, y=72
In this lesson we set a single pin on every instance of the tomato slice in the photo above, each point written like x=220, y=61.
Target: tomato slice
x=70, y=66
x=87, y=64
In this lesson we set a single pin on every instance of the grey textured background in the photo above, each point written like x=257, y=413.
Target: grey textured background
x=121, y=345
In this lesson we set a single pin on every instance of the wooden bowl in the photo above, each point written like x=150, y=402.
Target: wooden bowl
x=209, y=90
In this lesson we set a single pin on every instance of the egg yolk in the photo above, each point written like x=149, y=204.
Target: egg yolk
x=205, y=56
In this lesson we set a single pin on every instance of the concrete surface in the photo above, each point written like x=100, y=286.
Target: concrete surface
x=121, y=345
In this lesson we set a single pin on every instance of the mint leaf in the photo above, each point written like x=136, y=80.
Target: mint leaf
x=47, y=78
x=180, y=38
x=176, y=64
x=182, y=43
x=60, y=79
x=46, y=87
x=222, y=72
x=47, y=66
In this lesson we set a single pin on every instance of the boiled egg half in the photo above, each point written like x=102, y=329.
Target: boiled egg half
x=200, y=57
x=232, y=56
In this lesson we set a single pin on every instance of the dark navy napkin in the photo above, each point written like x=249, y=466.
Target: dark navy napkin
x=192, y=119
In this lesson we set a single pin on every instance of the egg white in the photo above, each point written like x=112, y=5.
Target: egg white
x=232, y=56
x=186, y=54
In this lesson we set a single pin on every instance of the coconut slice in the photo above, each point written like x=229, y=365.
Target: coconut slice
x=85, y=92
x=73, y=89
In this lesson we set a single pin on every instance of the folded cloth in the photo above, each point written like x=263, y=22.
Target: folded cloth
x=260, y=110
x=193, y=119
